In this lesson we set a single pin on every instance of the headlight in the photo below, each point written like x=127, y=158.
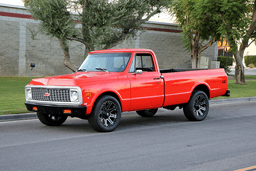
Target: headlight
x=28, y=94
x=74, y=96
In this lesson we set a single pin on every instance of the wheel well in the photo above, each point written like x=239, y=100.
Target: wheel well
x=110, y=94
x=203, y=88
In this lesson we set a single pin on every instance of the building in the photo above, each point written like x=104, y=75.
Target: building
x=22, y=44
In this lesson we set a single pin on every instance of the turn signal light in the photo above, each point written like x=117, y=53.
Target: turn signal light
x=88, y=94
x=34, y=108
x=66, y=111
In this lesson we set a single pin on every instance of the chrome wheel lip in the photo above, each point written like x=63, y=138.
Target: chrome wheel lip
x=200, y=106
x=108, y=114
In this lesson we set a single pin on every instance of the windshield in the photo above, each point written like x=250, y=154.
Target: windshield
x=110, y=62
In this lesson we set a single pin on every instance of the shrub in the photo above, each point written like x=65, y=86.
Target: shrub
x=249, y=60
x=251, y=65
x=225, y=62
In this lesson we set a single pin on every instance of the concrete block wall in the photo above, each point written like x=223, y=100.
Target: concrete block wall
x=9, y=48
x=21, y=44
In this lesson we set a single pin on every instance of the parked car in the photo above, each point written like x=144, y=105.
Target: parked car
x=110, y=82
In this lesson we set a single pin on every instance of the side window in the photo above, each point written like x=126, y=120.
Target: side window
x=144, y=62
x=138, y=61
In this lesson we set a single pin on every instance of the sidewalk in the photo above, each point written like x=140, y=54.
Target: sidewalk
x=247, y=71
x=27, y=116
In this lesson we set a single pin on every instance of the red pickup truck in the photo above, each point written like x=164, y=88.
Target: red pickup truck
x=110, y=82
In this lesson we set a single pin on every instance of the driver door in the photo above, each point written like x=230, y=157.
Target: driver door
x=147, y=88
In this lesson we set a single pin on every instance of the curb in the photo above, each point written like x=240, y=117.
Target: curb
x=243, y=99
x=15, y=117
x=27, y=116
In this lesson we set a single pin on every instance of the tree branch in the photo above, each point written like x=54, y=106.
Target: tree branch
x=251, y=30
x=78, y=39
x=120, y=39
x=65, y=50
x=206, y=45
x=151, y=14
x=251, y=42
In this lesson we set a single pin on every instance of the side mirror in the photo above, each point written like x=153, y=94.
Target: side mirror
x=138, y=71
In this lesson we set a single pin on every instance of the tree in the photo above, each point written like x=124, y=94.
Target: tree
x=104, y=23
x=239, y=32
x=198, y=25
x=234, y=20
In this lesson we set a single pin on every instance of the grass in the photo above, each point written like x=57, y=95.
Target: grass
x=250, y=77
x=12, y=92
x=237, y=90
x=247, y=77
x=12, y=97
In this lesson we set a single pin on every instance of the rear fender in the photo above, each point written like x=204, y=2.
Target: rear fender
x=203, y=87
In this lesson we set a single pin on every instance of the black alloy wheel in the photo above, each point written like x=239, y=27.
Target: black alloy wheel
x=198, y=106
x=106, y=114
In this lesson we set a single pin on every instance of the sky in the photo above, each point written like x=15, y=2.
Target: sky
x=12, y=2
x=163, y=17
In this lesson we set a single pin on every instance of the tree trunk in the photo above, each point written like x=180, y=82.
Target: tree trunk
x=239, y=69
x=239, y=55
x=195, y=62
x=194, y=58
x=65, y=49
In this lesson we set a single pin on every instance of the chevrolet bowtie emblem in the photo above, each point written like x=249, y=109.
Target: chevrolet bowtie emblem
x=47, y=94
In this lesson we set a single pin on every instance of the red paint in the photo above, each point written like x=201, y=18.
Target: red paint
x=7, y=14
x=141, y=91
x=47, y=94
x=163, y=30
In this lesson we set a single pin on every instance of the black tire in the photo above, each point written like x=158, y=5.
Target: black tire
x=147, y=113
x=106, y=114
x=51, y=120
x=198, y=106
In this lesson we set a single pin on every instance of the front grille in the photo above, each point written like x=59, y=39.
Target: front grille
x=51, y=94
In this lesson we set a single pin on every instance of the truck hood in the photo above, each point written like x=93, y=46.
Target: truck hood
x=72, y=79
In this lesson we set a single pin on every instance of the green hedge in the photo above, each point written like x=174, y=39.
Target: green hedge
x=250, y=60
x=225, y=61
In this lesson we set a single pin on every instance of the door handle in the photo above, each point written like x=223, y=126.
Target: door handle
x=157, y=78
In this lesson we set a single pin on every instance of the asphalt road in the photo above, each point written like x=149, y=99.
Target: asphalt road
x=226, y=140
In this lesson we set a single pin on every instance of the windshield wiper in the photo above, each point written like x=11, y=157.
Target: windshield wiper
x=102, y=69
x=81, y=70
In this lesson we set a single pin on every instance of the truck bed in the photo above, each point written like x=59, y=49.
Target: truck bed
x=180, y=83
x=178, y=70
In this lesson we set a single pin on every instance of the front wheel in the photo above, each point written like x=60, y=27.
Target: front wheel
x=51, y=120
x=106, y=114
x=147, y=113
x=198, y=106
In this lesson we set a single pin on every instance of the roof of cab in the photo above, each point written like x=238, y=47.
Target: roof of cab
x=120, y=50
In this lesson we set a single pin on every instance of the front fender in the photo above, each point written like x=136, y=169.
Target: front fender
x=98, y=94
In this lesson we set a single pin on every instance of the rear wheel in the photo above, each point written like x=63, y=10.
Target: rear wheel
x=198, y=106
x=147, y=113
x=106, y=114
x=51, y=120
